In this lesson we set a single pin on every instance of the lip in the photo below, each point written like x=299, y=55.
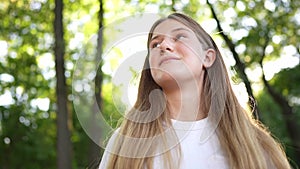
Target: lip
x=167, y=58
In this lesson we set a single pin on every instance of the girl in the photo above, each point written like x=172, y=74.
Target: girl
x=186, y=114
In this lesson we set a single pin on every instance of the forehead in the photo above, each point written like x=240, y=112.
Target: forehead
x=169, y=25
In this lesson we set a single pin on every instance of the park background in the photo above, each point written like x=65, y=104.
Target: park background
x=41, y=41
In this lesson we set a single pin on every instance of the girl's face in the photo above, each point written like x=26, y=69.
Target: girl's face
x=175, y=53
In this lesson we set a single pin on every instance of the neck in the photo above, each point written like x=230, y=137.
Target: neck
x=183, y=103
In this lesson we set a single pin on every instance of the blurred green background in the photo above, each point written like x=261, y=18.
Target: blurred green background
x=42, y=40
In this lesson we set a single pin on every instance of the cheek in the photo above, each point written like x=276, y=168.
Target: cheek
x=152, y=64
x=193, y=59
x=195, y=66
x=153, y=61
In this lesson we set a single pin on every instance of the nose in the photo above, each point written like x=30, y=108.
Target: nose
x=167, y=44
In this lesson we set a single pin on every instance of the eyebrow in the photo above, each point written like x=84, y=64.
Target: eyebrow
x=174, y=30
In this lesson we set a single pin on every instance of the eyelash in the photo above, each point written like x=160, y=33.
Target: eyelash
x=176, y=38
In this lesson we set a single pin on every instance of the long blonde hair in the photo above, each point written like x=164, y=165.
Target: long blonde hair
x=244, y=140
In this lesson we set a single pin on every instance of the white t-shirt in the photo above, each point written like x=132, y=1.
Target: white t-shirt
x=196, y=154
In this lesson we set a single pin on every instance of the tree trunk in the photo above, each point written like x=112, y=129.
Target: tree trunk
x=94, y=149
x=63, y=133
x=240, y=66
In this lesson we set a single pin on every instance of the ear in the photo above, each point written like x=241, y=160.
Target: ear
x=210, y=57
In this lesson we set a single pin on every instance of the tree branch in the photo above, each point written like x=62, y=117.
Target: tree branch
x=173, y=6
x=298, y=51
x=240, y=66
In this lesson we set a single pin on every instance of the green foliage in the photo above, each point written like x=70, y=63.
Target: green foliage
x=24, y=124
x=28, y=131
x=273, y=119
x=287, y=82
x=114, y=109
x=271, y=116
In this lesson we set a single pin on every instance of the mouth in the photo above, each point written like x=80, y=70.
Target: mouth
x=167, y=59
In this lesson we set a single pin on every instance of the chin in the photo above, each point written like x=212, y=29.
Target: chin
x=167, y=80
